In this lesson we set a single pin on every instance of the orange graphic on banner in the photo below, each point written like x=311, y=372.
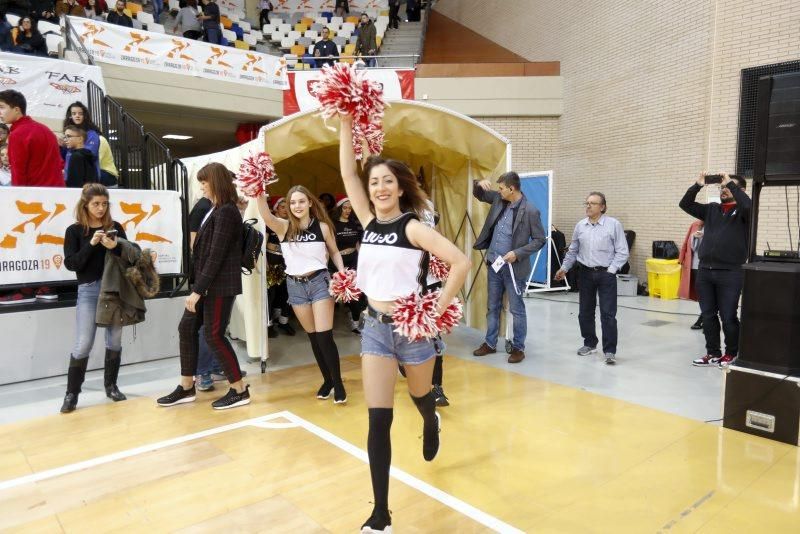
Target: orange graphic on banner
x=217, y=56
x=281, y=67
x=252, y=59
x=139, y=214
x=178, y=49
x=137, y=39
x=91, y=34
x=65, y=88
x=58, y=259
x=7, y=81
x=39, y=215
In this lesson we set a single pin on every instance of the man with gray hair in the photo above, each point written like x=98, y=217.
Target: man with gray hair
x=600, y=249
x=512, y=232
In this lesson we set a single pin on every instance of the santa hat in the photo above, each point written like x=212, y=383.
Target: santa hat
x=341, y=199
x=274, y=201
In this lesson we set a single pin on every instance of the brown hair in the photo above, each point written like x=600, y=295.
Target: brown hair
x=413, y=198
x=77, y=129
x=602, y=198
x=220, y=183
x=90, y=191
x=316, y=211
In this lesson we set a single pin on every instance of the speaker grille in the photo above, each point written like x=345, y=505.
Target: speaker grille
x=745, y=148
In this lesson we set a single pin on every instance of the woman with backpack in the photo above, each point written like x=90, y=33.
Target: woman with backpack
x=307, y=241
x=216, y=279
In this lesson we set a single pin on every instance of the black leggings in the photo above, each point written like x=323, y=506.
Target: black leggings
x=278, y=298
x=214, y=313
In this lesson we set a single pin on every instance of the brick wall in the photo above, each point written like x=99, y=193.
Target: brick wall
x=534, y=140
x=651, y=95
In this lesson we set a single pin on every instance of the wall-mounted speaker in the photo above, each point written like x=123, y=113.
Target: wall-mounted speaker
x=777, y=142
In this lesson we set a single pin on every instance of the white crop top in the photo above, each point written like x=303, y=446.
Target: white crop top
x=307, y=252
x=389, y=266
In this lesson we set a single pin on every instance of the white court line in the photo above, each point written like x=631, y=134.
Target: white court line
x=456, y=504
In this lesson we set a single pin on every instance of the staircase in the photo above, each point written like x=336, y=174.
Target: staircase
x=405, y=40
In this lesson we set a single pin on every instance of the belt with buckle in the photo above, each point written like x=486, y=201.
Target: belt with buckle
x=305, y=279
x=381, y=317
x=593, y=268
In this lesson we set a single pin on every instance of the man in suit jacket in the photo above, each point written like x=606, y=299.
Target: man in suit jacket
x=512, y=231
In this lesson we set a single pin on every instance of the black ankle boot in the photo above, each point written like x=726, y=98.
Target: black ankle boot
x=75, y=376
x=698, y=325
x=110, y=374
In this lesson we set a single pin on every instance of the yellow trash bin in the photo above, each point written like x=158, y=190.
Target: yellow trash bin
x=663, y=278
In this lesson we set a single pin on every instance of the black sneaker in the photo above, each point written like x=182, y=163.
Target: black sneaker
x=339, y=394
x=287, y=329
x=378, y=522
x=430, y=440
x=439, y=396
x=325, y=391
x=179, y=396
x=232, y=399
x=271, y=332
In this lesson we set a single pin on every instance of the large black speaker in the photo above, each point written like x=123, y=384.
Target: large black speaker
x=777, y=150
x=770, y=333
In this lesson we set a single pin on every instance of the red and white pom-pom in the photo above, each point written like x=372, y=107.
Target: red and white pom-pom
x=438, y=269
x=345, y=90
x=450, y=317
x=343, y=286
x=415, y=316
x=256, y=172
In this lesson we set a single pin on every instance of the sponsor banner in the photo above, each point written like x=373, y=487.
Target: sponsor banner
x=356, y=6
x=230, y=6
x=169, y=53
x=397, y=85
x=33, y=221
x=49, y=85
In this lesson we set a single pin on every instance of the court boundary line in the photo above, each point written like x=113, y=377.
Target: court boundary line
x=264, y=422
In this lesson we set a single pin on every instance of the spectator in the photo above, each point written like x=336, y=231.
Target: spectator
x=512, y=232
x=109, y=175
x=5, y=170
x=93, y=10
x=722, y=253
x=394, y=18
x=44, y=10
x=158, y=7
x=27, y=39
x=367, y=45
x=187, y=20
x=263, y=16
x=3, y=134
x=690, y=262
x=32, y=147
x=210, y=19
x=80, y=165
x=342, y=8
x=69, y=7
x=78, y=115
x=412, y=10
x=325, y=49
x=86, y=244
x=600, y=248
x=328, y=201
x=347, y=232
x=6, y=43
x=118, y=16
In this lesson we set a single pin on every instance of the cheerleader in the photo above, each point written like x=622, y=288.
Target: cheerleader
x=307, y=241
x=348, y=236
x=392, y=263
x=278, y=295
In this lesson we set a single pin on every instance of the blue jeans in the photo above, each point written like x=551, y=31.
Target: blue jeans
x=213, y=35
x=206, y=363
x=158, y=7
x=591, y=285
x=380, y=339
x=718, y=291
x=85, y=325
x=499, y=283
x=316, y=289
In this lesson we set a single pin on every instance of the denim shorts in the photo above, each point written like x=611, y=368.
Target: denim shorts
x=314, y=290
x=380, y=339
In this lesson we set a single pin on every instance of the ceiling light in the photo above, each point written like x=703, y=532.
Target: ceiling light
x=177, y=137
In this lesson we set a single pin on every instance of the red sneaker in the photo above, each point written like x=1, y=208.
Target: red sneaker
x=706, y=361
x=17, y=297
x=725, y=361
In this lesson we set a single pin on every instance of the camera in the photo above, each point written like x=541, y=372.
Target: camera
x=713, y=178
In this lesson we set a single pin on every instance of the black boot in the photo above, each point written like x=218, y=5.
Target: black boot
x=110, y=373
x=698, y=325
x=75, y=376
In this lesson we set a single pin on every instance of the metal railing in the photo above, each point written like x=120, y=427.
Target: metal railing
x=74, y=43
x=427, y=16
x=309, y=59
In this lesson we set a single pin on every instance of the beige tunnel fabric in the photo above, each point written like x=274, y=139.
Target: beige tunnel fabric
x=449, y=147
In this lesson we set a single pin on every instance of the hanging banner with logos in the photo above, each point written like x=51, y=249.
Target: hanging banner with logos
x=33, y=221
x=397, y=85
x=119, y=45
x=356, y=6
x=230, y=6
x=49, y=85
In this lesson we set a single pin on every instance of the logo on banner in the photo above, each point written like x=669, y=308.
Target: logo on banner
x=65, y=88
x=138, y=215
x=37, y=214
x=90, y=35
x=178, y=50
x=281, y=70
x=252, y=61
x=7, y=81
x=135, y=44
x=58, y=259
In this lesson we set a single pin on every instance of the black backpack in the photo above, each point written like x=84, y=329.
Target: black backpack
x=252, y=242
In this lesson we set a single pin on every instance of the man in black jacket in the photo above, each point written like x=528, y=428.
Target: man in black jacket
x=722, y=253
x=118, y=16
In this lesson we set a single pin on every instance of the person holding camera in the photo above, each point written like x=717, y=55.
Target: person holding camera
x=600, y=249
x=722, y=253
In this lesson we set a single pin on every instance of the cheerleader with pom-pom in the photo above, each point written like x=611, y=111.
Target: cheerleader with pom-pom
x=277, y=293
x=392, y=267
x=307, y=242
x=348, y=234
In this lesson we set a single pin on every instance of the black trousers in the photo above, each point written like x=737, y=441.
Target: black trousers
x=215, y=314
x=719, y=290
x=394, y=18
x=593, y=284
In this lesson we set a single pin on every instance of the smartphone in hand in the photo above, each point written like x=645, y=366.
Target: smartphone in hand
x=713, y=178
x=111, y=234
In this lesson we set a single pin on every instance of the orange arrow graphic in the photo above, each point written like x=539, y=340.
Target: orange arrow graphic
x=9, y=241
x=59, y=209
x=156, y=209
x=133, y=209
x=31, y=208
x=153, y=238
x=49, y=239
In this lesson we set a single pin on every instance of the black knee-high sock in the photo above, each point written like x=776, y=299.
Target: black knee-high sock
x=438, y=372
x=318, y=355
x=430, y=430
x=379, y=450
x=331, y=354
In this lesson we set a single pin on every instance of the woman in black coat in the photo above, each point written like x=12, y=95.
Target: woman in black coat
x=28, y=40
